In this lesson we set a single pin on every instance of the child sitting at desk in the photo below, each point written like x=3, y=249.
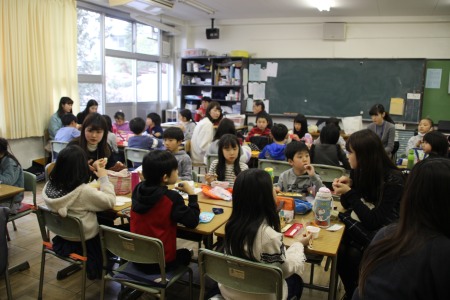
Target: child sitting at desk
x=260, y=129
x=300, y=128
x=435, y=144
x=276, y=149
x=328, y=152
x=69, y=131
x=425, y=126
x=156, y=210
x=200, y=113
x=137, y=126
x=120, y=125
x=10, y=173
x=154, y=125
x=228, y=166
x=173, y=137
x=187, y=124
x=302, y=176
x=335, y=122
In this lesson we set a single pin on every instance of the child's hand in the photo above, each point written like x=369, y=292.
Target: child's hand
x=210, y=177
x=101, y=172
x=305, y=238
x=310, y=170
x=345, y=180
x=340, y=188
x=277, y=189
x=295, y=137
x=100, y=163
x=256, y=134
x=184, y=186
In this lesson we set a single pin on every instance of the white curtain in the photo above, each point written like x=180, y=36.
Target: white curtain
x=38, y=61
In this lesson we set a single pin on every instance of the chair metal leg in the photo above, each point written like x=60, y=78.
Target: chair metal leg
x=8, y=286
x=7, y=235
x=14, y=225
x=41, y=276
x=67, y=271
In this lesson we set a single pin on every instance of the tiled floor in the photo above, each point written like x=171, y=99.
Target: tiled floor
x=25, y=245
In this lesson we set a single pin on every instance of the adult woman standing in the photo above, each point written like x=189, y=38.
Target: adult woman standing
x=371, y=196
x=91, y=107
x=204, y=132
x=65, y=106
x=383, y=126
x=409, y=260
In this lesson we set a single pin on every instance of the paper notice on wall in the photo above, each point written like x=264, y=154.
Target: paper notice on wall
x=263, y=75
x=255, y=72
x=249, y=105
x=259, y=91
x=272, y=69
x=397, y=106
x=433, y=80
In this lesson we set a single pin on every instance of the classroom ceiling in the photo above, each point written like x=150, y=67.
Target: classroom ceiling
x=256, y=9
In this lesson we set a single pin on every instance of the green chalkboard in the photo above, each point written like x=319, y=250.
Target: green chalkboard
x=436, y=101
x=342, y=87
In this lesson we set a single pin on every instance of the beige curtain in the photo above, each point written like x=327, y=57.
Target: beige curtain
x=38, y=61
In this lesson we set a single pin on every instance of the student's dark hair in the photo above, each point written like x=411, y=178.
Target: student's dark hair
x=108, y=122
x=211, y=105
x=279, y=132
x=379, y=109
x=90, y=103
x=4, y=145
x=207, y=99
x=62, y=101
x=294, y=147
x=173, y=133
x=137, y=125
x=227, y=140
x=187, y=114
x=329, y=134
x=334, y=121
x=155, y=118
x=95, y=121
x=119, y=115
x=253, y=204
x=71, y=169
x=304, y=129
x=423, y=216
x=372, y=163
x=225, y=126
x=262, y=115
x=438, y=143
x=67, y=119
x=156, y=164
x=259, y=103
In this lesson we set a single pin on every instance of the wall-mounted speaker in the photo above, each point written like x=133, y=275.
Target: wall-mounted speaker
x=212, y=33
x=334, y=31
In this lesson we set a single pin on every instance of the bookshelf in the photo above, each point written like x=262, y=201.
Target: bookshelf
x=219, y=77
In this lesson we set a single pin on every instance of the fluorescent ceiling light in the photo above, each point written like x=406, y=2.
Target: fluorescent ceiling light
x=142, y=4
x=153, y=23
x=323, y=5
x=198, y=5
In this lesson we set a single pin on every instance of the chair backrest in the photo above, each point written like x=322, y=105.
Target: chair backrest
x=30, y=184
x=133, y=247
x=135, y=155
x=56, y=148
x=278, y=166
x=209, y=159
x=67, y=227
x=239, y=274
x=260, y=141
x=328, y=173
x=48, y=169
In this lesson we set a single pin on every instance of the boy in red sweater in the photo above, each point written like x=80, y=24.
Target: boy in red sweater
x=156, y=210
x=261, y=128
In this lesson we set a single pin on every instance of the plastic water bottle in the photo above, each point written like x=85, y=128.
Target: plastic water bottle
x=322, y=207
x=410, y=159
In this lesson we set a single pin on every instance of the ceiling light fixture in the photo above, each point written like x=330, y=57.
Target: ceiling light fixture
x=323, y=5
x=198, y=5
x=139, y=3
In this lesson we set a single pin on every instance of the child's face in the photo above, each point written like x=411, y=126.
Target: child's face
x=172, y=144
x=149, y=122
x=378, y=118
x=301, y=159
x=204, y=104
x=172, y=179
x=351, y=155
x=119, y=121
x=215, y=113
x=297, y=126
x=92, y=136
x=262, y=124
x=93, y=109
x=231, y=154
x=424, y=126
x=426, y=147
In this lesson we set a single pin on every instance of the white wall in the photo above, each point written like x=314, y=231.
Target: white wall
x=26, y=150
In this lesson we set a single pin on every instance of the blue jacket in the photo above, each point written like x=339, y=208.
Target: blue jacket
x=273, y=151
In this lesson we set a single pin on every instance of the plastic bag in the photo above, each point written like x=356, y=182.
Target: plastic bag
x=217, y=192
x=302, y=206
x=206, y=217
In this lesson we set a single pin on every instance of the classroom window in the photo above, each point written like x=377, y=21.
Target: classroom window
x=120, y=61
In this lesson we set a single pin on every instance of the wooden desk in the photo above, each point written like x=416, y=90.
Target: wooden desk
x=205, y=229
x=214, y=202
x=9, y=191
x=326, y=244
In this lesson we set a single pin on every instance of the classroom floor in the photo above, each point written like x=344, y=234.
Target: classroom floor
x=25, y=245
